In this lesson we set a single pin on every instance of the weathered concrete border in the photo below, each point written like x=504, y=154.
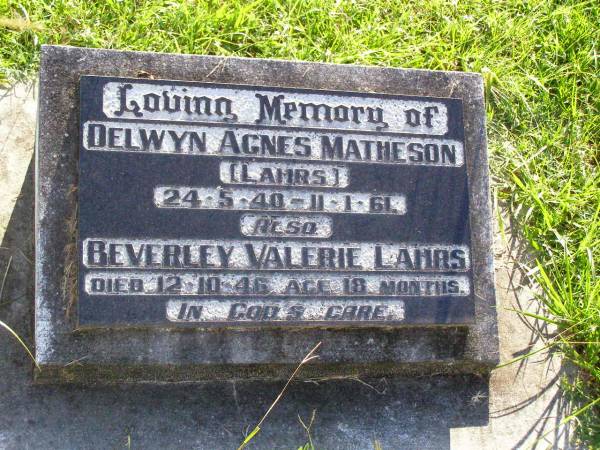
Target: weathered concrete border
x=147, y=355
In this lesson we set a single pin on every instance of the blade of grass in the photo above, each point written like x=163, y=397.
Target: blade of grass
x=309, y=357
x=18, y=338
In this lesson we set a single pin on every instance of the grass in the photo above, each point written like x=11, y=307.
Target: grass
x=20, y=341
x=309, y=357
x=540, y=64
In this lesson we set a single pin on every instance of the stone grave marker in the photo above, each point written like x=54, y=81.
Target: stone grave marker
x=213, y=218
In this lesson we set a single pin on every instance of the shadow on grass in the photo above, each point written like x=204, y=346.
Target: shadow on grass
x=547, y=431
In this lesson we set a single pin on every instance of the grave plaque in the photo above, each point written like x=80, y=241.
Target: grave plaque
x=218, y=204
x=342, y=204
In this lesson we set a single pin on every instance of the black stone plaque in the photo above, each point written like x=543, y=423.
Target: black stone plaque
x=220, y=216
x=206, y=204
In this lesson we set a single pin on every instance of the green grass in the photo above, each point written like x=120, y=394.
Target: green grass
x=540, y=64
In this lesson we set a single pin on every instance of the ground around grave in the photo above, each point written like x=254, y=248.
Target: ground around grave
x=519, y=406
